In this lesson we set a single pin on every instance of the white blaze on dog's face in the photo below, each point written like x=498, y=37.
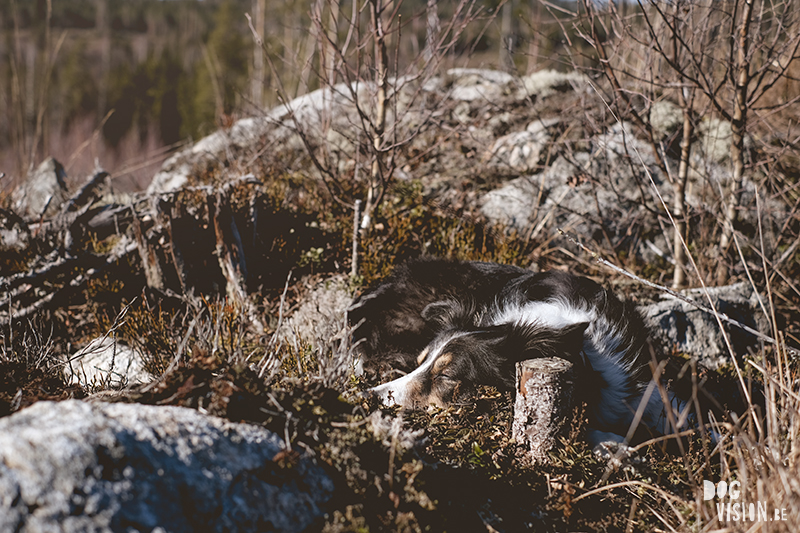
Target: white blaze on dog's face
x=431, y=383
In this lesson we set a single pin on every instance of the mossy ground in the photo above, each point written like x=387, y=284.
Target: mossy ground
x=463, y=473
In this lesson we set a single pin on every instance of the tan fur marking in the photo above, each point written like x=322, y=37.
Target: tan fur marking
x=436, y=400
x=414, y=395
x=421, y=357
x=442, y=362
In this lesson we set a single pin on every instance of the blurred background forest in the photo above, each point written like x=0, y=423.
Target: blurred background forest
x=125, y=83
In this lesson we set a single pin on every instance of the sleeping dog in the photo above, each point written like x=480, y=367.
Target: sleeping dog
x=452, y=325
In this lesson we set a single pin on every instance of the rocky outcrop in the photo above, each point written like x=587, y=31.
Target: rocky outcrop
x=532, y=153
x=331, y=116
x=77, y=466
x=677, y=325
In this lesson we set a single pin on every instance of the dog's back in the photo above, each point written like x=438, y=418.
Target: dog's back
x=392, y=327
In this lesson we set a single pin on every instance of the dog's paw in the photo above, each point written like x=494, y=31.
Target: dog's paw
x=617, y=455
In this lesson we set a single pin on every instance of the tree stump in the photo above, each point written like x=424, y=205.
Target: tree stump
x=543, y=404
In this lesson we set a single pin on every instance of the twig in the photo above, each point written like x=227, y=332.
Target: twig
x=354, y=261
x=647, y=486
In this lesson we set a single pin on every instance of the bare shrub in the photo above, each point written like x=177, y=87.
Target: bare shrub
x=710, y=60
x=357, y=155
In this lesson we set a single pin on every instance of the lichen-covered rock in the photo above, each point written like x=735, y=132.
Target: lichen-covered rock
x=43, y=191
x=522, y=151
x=106, y=363
x=566, y=195
x=544, y=83
x=77, y=466
x=687, y=329
x=715, y=139
x=469, y=84
x=320, y=314
x=666, y=118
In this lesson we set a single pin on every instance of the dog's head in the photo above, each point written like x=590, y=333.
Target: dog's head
x=463, y=356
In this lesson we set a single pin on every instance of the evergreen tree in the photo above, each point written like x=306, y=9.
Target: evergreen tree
x=221, y=79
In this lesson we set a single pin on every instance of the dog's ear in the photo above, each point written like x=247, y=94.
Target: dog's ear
x=532, y=341
x=449, y=313
x=571, y=338
x=436, y=311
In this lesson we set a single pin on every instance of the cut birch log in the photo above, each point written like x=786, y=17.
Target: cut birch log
x=543, y=404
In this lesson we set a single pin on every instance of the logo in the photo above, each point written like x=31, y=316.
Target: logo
x=734, y=507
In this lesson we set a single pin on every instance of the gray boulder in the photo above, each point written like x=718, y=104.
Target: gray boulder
x=43, y=191
x=678, y=325
x=320, y=315
x=77, y=466
x=106, y=363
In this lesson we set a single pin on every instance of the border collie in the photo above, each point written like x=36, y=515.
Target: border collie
x=452, y=325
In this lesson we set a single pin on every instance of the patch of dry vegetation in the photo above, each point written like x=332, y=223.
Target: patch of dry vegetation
x=460, y=470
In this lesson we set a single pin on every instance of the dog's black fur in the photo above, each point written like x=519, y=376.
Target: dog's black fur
x=393, y=327
x=483, y=318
